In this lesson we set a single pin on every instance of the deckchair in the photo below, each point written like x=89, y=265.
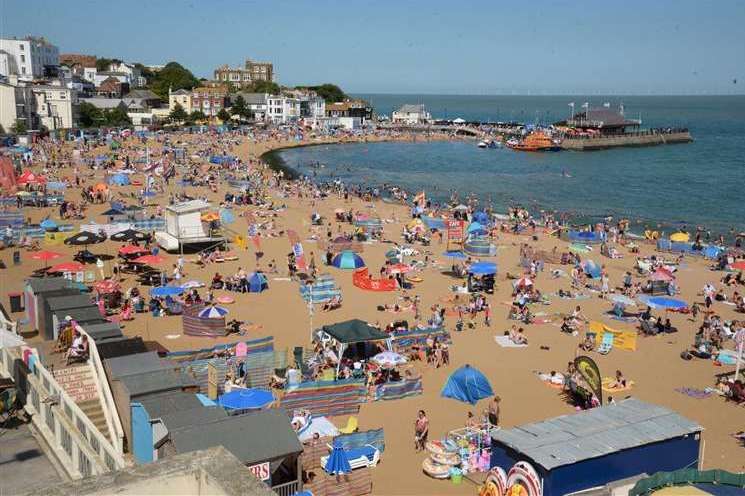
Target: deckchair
x=350, y=427
x=607, y=344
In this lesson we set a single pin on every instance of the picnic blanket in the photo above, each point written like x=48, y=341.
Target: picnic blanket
x=506, y=342
x=323, y=289
x=399, y=389
x=327, y=398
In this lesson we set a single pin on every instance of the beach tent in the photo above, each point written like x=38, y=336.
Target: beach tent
x=29, y=177
x=591, y=268
x=483, y=268
x=476, y=229
x=348, y=260
x=468, y=385
x=481, y=217
x=585, y=236
x=354, y=331
x=119, y=179
x=257, y=283
x=663, y=302
x=480, y=247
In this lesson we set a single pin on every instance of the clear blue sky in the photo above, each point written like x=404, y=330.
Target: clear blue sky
x=408, y=46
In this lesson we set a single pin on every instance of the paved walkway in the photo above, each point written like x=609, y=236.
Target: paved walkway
x=23, y=464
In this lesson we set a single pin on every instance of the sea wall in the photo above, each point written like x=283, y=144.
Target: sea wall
x=585, y=144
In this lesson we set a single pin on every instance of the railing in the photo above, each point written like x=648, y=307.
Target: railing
x=74, y=440
x=116, y=432
x=287, y=489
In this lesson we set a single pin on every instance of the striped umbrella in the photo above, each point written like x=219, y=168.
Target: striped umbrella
x=348, y=260
x=213, y=313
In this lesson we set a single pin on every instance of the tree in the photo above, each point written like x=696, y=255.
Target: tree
x=89, y=115
x=178, y=114
x=240, y=108
x=329, y=92
x=223, y=115
x=264, y=87
x=173, y=76
x=102, y=64
x=117, y=117
x=197, y=115
x=19, y=127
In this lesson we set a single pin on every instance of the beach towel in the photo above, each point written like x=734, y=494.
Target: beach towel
x=506, y=342
x=323, y=289
x=627, y=320
x=607, y=381
x=694, y=393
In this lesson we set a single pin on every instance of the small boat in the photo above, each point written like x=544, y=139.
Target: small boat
x=537, y=141
x=483, y=144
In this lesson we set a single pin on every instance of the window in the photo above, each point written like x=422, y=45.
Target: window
x=23, y=70
x=23, y=58
x=21, y=45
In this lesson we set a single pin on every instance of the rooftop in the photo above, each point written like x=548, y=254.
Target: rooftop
x=593, y=433
x=411, y=109
x=189, y=206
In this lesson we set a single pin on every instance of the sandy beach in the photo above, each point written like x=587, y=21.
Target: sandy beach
x=655, y=367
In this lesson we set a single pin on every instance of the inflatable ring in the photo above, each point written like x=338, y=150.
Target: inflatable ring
x=435, y=447
x=516, y=490
x=414, y=279
x=435, y=470
x=498, y=479
x=445, y=458
x=523, y=474
x=490, y=489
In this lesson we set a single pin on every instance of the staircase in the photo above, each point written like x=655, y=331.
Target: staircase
x=79, y=383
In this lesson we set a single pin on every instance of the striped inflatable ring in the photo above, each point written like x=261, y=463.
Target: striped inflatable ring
x=523, y=474
x=496, y=482
x=489, y=489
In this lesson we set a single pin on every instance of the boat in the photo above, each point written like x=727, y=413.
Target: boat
x=537, y=141
x=489, y=144
x=482, y=144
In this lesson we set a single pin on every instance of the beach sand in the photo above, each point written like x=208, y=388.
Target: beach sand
x=655, y=366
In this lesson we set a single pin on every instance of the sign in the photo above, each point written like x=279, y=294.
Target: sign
x=455, y=232
x=589, y=371
x=261, y=471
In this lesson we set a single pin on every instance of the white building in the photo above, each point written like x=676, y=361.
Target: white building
x=135, y=78
x=56, y=105
x=16, y=103
x=29, y=58
x=282, y=109
x=411, y=114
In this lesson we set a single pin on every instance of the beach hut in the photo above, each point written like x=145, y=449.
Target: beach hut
x=572, y=453
x=48, y=329
x=35, y=289
x=347, y=260
x=468, y=385
x=257, y=282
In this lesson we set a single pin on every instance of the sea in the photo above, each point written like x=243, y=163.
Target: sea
x=699, y=184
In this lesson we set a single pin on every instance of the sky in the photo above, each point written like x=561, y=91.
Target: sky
x=411, y=46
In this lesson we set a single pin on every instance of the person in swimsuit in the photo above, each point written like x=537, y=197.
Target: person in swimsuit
x=421, y=430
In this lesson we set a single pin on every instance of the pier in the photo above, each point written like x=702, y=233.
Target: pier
x=645, y=138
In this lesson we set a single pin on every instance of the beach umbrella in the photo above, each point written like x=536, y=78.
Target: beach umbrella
x=162, y=291
x=246, y=399
x=662, y=274
x=257, y=283
x=67, y=267
x=226, y=216
x=663, y=302
x=107, y=286
x=129, y=235
x=389, y=359
x=460, y=208
x=85, y=238
x=523, y=282
x=46, y=256
x=149, y=260
x=400, y=268
x=132, y=250
x=622, y=300
x=338, y=463
x=483, y=268
x=680, y=237
x=468, y=385
x=48, y=224
x=591, y=268
x=100, y=187
x=213, y=313
x=29, y=177
x=457, y=255
x=738, y=266
x=192, y=285
x=348, y=260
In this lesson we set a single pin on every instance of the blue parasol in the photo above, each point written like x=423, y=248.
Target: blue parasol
x=338, y=463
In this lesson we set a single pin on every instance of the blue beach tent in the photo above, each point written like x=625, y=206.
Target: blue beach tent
x=257, y=283
x=348, y=260
x=468, y=385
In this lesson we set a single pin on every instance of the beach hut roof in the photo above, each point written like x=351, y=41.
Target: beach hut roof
x=354, y=331
x=594, y=433
x=270, y=432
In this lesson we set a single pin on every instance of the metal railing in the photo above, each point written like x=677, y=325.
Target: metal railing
x=287, y=489
x=74, y=440
x=116, y=432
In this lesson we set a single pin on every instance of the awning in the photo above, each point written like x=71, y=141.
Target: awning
x=354, y=331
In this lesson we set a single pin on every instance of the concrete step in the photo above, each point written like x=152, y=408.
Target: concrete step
x=77, y=382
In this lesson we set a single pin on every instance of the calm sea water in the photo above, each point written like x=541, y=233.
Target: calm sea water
x=701, y=183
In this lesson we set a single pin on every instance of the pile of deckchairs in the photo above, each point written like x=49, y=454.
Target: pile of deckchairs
x=198, y=370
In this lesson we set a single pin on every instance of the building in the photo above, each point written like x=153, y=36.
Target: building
x=111, y=87
x=602, y=120
x=576, y=452
x=350, y=108
x=242, y=76
x=411, y=114
x=179, y=97
x=77, y=62
x=16, y=104
x=282, y=109
x=257, y=103
x=136, y=80
x=28, y=58
x=209, y=100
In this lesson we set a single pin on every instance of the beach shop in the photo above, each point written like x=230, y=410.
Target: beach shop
x=577, y=452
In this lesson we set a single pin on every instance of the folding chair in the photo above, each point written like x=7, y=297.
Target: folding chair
x=607, y=344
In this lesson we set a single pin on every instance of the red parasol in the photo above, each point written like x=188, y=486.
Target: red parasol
x=107, y=286
x=149, y=260
x=662, y=274
x=46, y=255
x=738, y=266
x=131, y=250
x=67, y=267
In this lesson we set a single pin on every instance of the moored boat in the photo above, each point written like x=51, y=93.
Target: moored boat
x=537, y=141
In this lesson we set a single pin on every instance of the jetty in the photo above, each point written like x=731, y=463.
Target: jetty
x=643, y=138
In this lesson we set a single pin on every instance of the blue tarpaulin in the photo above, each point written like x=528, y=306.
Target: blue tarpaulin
x=468, y=385
x=246, y=399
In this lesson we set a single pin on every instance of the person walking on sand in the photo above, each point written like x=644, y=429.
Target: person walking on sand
x=493, y=410
x=421, y=430
x=487, y=314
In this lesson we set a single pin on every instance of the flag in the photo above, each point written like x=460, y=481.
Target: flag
x=588, y=369
x=253, y=230
x=297, y=249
